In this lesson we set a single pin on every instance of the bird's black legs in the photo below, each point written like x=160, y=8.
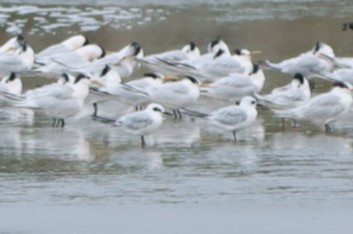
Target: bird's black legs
x=143, y=143
x=235, y=135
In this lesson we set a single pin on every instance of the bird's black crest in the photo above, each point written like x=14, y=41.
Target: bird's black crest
x=20, y=38
x=79, y=77
x=151, y=74
x=340, y=84
x=255, y=69
x=317, y=47
x=299, y=77
x=192, y=45
x=103, y=53
x=137, y=47
x=66, y=77
x=12, y=77
x=192, y=79
x=215, y=42
x=218, y=54
x=105, y=70
x=86, y=41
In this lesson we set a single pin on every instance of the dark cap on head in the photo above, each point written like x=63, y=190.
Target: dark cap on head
x=79, y=77
x=192, y=45
x=340, y=84
x=192, y=79
x=86, y=41
x=151, y=74
x=66, y=77
x=218, y=54
x=299, y=77
x=317, y=47
x=12, y=76
x=215, y=41
x=137, y=47
x=105, y=70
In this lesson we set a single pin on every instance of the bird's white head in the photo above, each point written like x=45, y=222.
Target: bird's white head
x=191, y=50
x=13, y=83
x=154, y=107
x=75, y=42
x=248, y=101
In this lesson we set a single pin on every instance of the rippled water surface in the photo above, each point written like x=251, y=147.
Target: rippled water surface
x=92, y=178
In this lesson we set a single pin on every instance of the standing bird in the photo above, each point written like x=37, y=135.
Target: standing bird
x=139, y=123
x=324, y=108
x=21, y=60
x=320, y=59
x=189, y=51
x=11, y=46
x=232, y=118
x=294, y=94
x=235, y=86
x=176, y=94
x=68, y=45
x=11, y=84
x=58, y=100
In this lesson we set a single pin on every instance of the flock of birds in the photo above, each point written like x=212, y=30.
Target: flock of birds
x=178, y=79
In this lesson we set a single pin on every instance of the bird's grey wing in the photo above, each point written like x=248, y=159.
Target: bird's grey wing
x=11, y=63
x=229, y=116
x=135, y=121
x=322, y=106
x=53, y=50
x=70, y=60
x=235, y=80
x=54, y=90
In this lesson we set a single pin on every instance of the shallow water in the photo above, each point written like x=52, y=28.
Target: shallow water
x=189, y=177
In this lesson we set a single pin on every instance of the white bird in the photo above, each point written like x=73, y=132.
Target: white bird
x=70, y=61
x=122, y=61
x=343, y=75
x=68, y=45
x=58, y=101
x=11, y=46
x=11, y=84
x=139, y=123
x=189, y=51
x=177, y=94
x=235, y=86
x=315, y=61
x=216, y=45
x=324, y=108
x=232, y=118
x=212, y=66
x=296, y=93
x=134, y=92
x=21, y=60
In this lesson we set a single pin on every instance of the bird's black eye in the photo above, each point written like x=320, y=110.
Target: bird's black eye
x=157, y=109
x=253, y=102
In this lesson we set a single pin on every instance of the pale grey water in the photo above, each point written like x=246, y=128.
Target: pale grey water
x=91, y=178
